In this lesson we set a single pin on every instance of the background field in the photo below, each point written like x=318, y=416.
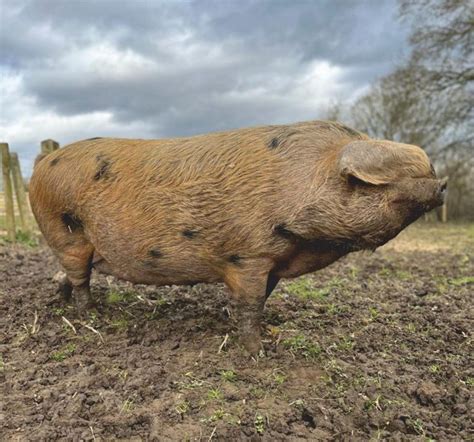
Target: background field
x=376, y=346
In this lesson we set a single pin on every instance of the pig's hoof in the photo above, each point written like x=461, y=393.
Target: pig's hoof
x=64, y=286
x=65, y=291
x=84, y=306
x=252, y=343
x=84, y=314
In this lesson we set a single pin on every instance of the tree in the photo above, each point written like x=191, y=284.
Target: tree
x=395, y=108
x=442, y=41
x=333, y=111
x=429, y=101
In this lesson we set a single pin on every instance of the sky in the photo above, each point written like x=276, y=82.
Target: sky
x=71, y=70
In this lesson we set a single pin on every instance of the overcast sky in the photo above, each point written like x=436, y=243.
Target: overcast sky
x=134, y=68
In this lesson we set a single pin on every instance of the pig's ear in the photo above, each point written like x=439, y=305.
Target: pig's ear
x=381, y=162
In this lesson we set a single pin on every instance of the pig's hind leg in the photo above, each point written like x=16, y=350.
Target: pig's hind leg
x=77, y=264
x=65, y=235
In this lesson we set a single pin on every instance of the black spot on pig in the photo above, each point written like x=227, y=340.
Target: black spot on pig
x=281, y=138
x=54, y=162
x=283, y=231
x=188, y=233
x=103, y=168
x=235, y=259
x=155, y=253
x=92, y=139
x=273, y=144
x=71, y=222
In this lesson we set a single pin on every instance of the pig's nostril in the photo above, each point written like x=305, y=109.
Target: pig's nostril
x=443, y=185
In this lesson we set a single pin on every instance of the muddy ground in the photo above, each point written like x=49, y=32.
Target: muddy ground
x=377, y=346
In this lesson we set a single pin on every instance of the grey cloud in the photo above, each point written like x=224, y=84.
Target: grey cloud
x=264, y=46
x=340, y=30
x=343, y=31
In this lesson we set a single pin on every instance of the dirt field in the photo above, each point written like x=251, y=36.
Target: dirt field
x=377, y=346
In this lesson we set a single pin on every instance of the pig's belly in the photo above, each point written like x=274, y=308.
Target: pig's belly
x=306, y=261
x=140, y=275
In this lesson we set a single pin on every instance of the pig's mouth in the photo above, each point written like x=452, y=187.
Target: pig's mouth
x=439, y=199
x=437, y=196
x=340, y=245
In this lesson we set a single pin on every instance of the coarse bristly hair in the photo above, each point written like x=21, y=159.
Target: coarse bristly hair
x=226, y=206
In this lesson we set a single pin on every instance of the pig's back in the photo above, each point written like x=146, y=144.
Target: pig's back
x=201, y=200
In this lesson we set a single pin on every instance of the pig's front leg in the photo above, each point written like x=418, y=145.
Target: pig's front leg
x=248, y=282
x=64, y=286
x=250, y=323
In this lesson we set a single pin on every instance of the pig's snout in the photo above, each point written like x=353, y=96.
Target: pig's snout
x=421, y=194
x=441, y=188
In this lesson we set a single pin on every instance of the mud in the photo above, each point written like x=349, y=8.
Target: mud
x=377, y=346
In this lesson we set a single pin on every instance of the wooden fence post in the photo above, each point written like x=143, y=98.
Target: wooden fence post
x=19, y=185
x=48, y=146
x=444, y=209
x=7, y=189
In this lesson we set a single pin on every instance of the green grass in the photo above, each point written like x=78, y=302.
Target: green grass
x=300, y=344
x=119, y=323
x=3, y=221
x=182, y=407
x=279, y=378
x=345, y=344
x=370, y=404
x=257, y=392
x=374, y=313
x=443, y=283
x=465, y=280
x=27, y=239
x=190, y=383
x=127, y=406
x=335, y=309
x=304, y=288
x=115, y=297
x=58, y=311
x=259, y=423
x=228, y=375
x=218, y=415
x=214, y=394
x=417, y=426
x=64, y=353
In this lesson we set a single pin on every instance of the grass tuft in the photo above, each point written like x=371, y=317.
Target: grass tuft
x=259, y=423
x=214, y=394
x=300, y=344
x=228, y=375
x=115, y=297
x=64, y=353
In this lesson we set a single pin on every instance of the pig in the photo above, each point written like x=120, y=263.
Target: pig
x=245, y=207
